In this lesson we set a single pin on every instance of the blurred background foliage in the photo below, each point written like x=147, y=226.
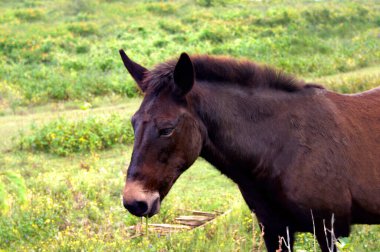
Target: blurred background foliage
x=68, y=50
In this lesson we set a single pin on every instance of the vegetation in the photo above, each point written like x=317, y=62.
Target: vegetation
x=90, y=134
x=68, y=50
x=63, y=86
x=353, y=82
x=12, y=190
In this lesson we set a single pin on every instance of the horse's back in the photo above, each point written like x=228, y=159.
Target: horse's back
x=361, y=116
x=368, y=93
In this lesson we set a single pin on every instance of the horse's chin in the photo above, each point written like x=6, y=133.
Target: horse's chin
x=155, y=208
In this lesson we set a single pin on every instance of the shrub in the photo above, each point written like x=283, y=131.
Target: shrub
x=83, y=28
x=83, y=48
x=210, y=3
x=90, y=134
x=10, y=96
x=161, y=8
x=29, y=15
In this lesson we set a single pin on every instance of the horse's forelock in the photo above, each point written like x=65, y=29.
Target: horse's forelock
x=160, y=77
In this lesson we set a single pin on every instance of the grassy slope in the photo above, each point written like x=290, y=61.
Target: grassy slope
x=58, y=50
x=68, y=50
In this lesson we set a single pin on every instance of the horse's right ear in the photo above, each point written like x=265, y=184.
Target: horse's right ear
x=134, y=69
x=183, y=75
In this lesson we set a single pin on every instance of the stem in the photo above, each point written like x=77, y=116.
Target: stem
x=146, y=225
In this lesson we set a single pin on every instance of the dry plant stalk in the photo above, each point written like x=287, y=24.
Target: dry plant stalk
x=314, y=237
x=285, y=241
x=261, y=242
x=333, y=239
x=253, y=233
x=257, y=247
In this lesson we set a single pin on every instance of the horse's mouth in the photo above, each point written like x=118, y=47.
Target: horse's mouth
x=139, y=201
x=146, y=206
x=155, y=208
x=143, y=208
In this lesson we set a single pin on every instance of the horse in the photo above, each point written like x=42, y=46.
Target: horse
x=304, y=158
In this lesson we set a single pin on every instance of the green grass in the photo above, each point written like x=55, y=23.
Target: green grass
x=352, y=82
x=68, y=50
x=75, y=203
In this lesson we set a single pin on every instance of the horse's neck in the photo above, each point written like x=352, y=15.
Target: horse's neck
x=254, y=132
x=245, y=132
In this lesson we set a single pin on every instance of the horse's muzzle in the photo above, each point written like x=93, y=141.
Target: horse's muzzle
x=140, y=202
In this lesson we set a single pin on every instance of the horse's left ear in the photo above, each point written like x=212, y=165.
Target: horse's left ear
x=183, y=75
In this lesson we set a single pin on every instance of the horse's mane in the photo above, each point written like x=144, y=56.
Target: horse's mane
x=217, y=69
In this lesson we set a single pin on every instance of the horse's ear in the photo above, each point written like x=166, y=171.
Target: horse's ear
x=183, y=75
x=134, y=69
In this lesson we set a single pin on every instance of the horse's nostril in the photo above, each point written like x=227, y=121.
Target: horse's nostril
x=138, y=208
x=142, y=206
x=125, y=204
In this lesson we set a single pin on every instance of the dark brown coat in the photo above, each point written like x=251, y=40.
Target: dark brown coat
x=294, y=149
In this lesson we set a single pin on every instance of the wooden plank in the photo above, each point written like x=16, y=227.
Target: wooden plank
x=193, y=217
x=186, y=222
x=196, y=212
x=135, y=236
x=213, y=215
x=169, y=226
x=192, y=223
x=193, y=220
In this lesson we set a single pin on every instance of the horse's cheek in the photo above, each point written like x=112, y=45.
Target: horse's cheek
x=195, y=146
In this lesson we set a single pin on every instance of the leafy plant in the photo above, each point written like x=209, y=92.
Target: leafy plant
x=90, y=134
x=29, y=14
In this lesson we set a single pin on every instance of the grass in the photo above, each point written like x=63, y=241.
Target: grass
x=353, y=82
x=68, y=50
x=75, y=202
x=59, y=59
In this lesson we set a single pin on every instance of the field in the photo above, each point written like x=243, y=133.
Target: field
x=60, y=72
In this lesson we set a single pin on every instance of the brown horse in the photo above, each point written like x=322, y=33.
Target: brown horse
x=298, y=152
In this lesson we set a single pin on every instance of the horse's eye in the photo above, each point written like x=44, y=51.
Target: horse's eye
x=166, y=132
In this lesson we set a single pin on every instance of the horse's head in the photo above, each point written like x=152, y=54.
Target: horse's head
x=168, y=137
